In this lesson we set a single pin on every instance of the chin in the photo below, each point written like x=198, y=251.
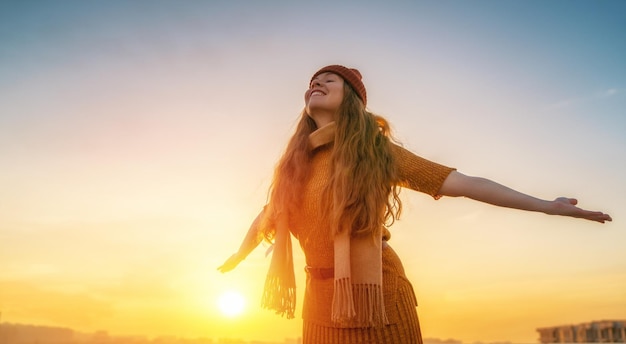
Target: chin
x=313, y=108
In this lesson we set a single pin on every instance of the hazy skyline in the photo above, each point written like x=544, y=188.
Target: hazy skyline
x=138, y=140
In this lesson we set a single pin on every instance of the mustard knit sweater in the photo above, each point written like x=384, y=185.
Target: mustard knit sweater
x=314, y=236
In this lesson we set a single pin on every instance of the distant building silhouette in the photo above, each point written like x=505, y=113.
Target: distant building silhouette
x=27, y=334
x=603, y=331
x=34, y=334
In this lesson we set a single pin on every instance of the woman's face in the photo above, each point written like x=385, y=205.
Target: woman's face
x=324, y=95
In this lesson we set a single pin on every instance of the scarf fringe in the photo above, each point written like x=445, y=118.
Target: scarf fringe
x=358, y=305
x=343, y=304
x=279, y=293
x=279, y=297
x=370, y=305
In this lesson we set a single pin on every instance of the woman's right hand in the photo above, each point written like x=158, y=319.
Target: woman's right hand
x=230, y=263
x=252, y=240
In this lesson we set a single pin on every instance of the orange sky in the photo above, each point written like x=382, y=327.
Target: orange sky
x=137, y=143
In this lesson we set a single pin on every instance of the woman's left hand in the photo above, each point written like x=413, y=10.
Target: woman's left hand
x=567, y=207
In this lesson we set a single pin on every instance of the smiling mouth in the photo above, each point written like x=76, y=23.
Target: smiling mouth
x=317, y=93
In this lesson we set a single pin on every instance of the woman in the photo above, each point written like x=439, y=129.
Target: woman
x=336, y=190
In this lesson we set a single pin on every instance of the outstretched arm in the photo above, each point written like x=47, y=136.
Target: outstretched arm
x=485, y=190
x=250, y=242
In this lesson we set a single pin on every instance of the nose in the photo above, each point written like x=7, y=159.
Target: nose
x=315, y=83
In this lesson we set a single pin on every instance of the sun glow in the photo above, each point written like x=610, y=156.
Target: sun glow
x=231, y=303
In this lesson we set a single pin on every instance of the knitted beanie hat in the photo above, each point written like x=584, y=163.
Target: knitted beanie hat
x=350, y=75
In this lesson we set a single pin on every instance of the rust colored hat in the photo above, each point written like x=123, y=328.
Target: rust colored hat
x=350, y=75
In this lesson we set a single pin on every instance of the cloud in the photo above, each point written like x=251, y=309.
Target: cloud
x=575, y=101
x=610, y=92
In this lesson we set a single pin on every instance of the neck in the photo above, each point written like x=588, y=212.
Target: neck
x=322, y=118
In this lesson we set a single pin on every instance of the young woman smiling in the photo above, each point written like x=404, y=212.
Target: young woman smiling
x=336, y=189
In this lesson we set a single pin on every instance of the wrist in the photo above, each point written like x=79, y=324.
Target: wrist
x=238, y=256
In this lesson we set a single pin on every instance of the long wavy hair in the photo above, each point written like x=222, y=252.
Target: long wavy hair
x=361, y=194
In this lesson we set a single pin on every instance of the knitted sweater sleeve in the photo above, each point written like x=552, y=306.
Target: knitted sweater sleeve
x=419, y=174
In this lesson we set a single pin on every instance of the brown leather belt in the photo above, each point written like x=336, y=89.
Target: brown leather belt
x=320, y=273
x=326, y=273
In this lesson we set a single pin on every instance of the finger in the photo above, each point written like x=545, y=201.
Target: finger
x=599, y=217
x=605, y=217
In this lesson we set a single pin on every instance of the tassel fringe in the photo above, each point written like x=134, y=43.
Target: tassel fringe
x=279, y=297
x=358, y=305
x=370, y=305
x=343, y=311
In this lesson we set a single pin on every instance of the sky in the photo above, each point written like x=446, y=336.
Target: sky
x=138, y=140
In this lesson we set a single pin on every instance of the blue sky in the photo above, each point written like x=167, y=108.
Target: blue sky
x=150, y=128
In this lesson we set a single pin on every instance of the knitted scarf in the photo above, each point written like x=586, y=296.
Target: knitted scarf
x=358, y=290
x=279, y=293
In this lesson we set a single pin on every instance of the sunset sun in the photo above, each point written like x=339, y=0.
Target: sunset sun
x=231, y=303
